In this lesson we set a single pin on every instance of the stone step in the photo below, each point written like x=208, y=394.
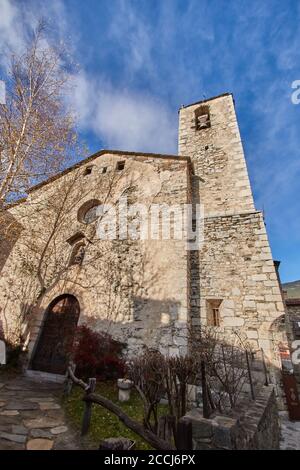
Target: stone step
x=40, y=376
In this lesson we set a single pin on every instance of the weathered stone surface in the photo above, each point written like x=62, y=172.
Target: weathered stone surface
x=19, y=429
x=254, y=425
x=40, y=433
x=13, y=437
x=49, y=406
x=10, y=445
x=21, y=406
x=9, y=413
x=59, y=430
x=43, y=422
x=40, y=399
x=39, y=444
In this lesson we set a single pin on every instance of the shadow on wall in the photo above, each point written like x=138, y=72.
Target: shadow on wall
x=10, y=231
x=151, y=323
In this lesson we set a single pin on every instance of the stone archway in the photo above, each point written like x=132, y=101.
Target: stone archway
x=56, y=336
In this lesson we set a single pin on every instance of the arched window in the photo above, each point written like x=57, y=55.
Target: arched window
x=202, y=117
x=88, y=212
x=77, y=254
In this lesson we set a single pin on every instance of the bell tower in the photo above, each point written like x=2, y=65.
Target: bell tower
x=209, y=134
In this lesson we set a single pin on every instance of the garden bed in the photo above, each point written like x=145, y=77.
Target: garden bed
x=105, y=424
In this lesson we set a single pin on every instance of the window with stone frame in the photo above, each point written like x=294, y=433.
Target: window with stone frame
x=202, y=118
x=88, y=212
x=77, y=254
x=213, y=312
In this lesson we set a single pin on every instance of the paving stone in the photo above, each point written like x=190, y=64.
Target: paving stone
x=12, y=437
x=9, y=413
x=28, y=414
x=21, y=406
x=39, y=444
x=59, y=430
x=9, y=445
x=290, y=434
x=31, y=414
x=19, y=429
x=40, y=433
x=40, y=399
x=49, y=406
x=43, y=422
x=9, y=420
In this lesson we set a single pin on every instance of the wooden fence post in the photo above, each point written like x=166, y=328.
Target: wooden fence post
x=184, y=435
x=205, y=399
x=87, y=414
x=250, y=376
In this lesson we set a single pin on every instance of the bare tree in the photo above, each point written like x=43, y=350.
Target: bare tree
x=37, y=135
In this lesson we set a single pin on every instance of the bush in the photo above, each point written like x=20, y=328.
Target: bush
x=97, y=355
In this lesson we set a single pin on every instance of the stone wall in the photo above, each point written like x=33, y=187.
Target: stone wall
x=293, y=326
x=234, y=269
x=135, y=290
x=253, y=425
x=218, y=157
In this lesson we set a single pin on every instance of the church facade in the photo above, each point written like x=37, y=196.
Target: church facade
x=152, y=290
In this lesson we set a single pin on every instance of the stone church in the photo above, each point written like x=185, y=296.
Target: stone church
x=55, y=273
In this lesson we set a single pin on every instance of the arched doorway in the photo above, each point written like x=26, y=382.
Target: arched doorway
x=58, y=329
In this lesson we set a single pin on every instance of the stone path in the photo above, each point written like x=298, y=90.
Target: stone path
x=32, y=418
x=290, y=433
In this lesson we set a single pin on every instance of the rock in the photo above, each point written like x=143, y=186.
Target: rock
x=13, y=437
x=40, y=433
x=43, y=422
x=2, y=403
x=59, y=430
x=9, y=413
x=39, y=444
x=21, y=406
x=9, y=445
x=40, y=399
x=116, y=443
x=49, y=406
x=19, y=429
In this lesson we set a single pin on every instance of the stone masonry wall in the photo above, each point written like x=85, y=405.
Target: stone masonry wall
x=293, y=320
x=218, y=157
x=236, y=266
x=151, y=308
x=254, y=425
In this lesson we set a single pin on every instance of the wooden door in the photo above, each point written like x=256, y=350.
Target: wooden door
x=57, y=335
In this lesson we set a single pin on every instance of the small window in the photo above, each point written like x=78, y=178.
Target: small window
x=216, y=316
x=88, y=212
x=120, y=166
x=213, y=312
x=104, y=170
x=88, y=170
x=77, y=254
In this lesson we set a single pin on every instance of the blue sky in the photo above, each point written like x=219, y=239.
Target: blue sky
x=140, y=60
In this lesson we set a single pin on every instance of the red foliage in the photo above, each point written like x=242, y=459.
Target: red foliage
x=97, y=355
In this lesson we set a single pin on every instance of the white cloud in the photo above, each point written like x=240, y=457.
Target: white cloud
x=18, y=19
x=123, y=119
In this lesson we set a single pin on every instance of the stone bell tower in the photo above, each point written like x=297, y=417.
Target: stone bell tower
x=209, y=134
x=233, y=281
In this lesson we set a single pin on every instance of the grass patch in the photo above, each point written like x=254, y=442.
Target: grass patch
x=105, y=424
